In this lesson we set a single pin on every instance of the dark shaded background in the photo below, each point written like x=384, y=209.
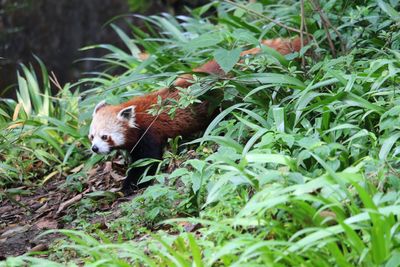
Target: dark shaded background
x=54, y=30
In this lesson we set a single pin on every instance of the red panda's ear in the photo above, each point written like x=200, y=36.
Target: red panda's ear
x=128, y=115
x=99, y=106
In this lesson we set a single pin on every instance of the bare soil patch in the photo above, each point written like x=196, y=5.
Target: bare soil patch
x=26, y=212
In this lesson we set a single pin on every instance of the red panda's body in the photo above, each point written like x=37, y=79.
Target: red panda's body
x=184, y=122
x=129, y=125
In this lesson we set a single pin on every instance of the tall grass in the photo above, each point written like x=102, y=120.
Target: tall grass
x=38, y=128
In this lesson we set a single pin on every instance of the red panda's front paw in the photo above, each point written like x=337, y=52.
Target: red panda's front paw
x=127, y=190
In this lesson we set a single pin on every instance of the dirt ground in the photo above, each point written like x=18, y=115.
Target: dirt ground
x=26, y=212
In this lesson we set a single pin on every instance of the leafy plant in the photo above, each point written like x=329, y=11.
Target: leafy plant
x=41, y=129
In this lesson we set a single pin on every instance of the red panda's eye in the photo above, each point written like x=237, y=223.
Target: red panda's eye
x=91, y=137
x=104, y=137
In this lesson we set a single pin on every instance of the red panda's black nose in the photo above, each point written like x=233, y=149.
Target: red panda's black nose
x=95, y=149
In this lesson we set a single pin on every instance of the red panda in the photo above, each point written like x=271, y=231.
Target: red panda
x=129, y=126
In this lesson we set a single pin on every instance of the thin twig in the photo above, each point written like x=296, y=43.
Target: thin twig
x=327, y=24
x=312, y=51
x=148, y=127
x=71, y=201
x=328, y=36
x=303, y=61
x=342, y=46
x=264, y=17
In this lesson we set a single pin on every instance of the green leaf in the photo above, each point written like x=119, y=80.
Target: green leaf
x=23, y=94
x=355, y=100
x=246, y=36
x=388, y=9
x=271, y=78
x=387, y=146
x=268, y=158
x=223, y=140
x=172, y=29
x=205, y=40
x=279, y=117
x=220, y=117
x=33, y=88
x=44, y=134
x=227, y=59
x=130, y=44
x=394, y=260
x=252, y=140
x=4, y=114
x=195, y=251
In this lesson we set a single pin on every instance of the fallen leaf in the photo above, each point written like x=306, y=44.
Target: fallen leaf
x=116, y=176
x=43, y=199
x=77, y=169
x=46, y=224
x=120, y=161
x=108, y=167
x=15, y=230
x=40, y=247
x=48, y=177
x=190, y=227
x=71, y=201
x=107, y=173
x=42, y=208
x=92, y=172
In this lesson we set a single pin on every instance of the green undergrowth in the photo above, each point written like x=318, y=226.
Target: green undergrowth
x=301, y=168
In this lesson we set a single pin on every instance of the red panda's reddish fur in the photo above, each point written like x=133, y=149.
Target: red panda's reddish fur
x=283, y=46
x=185, y=122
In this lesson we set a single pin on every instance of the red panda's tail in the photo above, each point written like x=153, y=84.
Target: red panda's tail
x=283, y=46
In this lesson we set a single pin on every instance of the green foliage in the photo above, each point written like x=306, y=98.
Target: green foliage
x=39, y=129
x=227, y=58
x=299, y=169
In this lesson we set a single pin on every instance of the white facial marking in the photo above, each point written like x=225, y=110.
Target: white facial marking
x=98, y=106
x=128, y=114
x=106, y=131
x=103, y=146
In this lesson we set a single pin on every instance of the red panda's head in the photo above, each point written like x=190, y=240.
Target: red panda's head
x=110, y=126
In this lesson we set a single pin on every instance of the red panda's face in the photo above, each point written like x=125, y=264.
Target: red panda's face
x=109, y=127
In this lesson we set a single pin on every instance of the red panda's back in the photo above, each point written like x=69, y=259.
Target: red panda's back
x=184, y=121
